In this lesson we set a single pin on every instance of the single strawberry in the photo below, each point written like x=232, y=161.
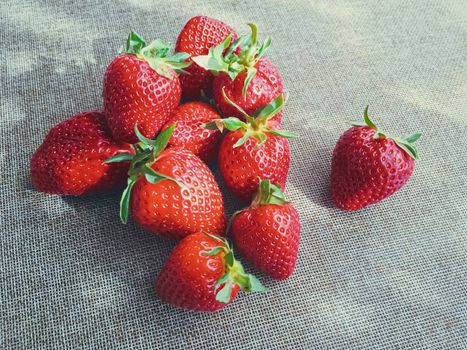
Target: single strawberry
x=70, y=159
x=173, y=193
x=245, y=76
x=369, y=165
x=201, y=274
x=141, y=87
x=196, y=38
x=190, y=133
x=267, y=233
x=252, y=149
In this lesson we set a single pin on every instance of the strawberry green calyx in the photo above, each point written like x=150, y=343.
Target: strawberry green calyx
x=256, y=126
x=146, y=153
x=234, y=273
x=406, y=143
x=156, y=54
x=221, y=58
x=268, y=194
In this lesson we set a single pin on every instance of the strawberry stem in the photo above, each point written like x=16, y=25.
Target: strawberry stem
x=405, y=143
x=268, y=194
x=234, y=64
x=146, y=153
x=256, y=126
x=234, y=272
x=156, y=54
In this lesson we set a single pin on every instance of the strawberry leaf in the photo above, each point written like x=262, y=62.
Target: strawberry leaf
x=214, y=251
x=242, y=140
x=367, y=119
x=120, y=158
x=223, y=296
x=406, y=146
x=263, y=48
x=161, y=141
x=229, y=258
x=233, y=47
x=134, y=44
x=155, y=49
x=406, y=143
x=232, y=103
x=233, y=123
x=250, y=73
x=143, y=139
x=271, y=109
x=261, y=138
x=125, y=200
x=254, y=33
x=178, y=61
x=412, y=138
x=268, y=194
x=234, y=273
x=255, y=284
x=179, y=57
x=235, y=63
x=216, y=124
x=283, y=133
x=214, y=61
x=217, y=238
x=160, y=68
x=154, y=177
x=221, y=281
x=156, y=54
x=142, y=156
x=202, y=61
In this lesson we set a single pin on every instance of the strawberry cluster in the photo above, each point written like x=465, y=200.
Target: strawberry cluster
x=160, y=149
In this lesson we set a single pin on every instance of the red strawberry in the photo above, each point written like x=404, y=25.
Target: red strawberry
x=189, y=132
x=70, y=159
x=196, y=38
x=369, y=165
x=173, y=193
x=201, y=274
x=253, y=149
x=141, y=87
x=247, y=78
x=267, y=233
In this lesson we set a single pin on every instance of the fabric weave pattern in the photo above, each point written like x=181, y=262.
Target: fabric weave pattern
x=390, y=276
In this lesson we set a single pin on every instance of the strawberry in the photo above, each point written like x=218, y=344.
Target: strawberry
x=246, y=77
x=196, y=38
x=267, y=233
x=189, y=132
x=201, y=274
x=141, y=86
x=170, y=192
x=252, y=149
x=70, y=159
x=369, y=165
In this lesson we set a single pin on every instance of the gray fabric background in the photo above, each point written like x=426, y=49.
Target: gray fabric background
x=390, y=276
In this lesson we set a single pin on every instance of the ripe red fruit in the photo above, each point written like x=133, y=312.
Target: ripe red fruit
x=368, y=165
x=173, y=193
x=201, y=274
x=252, y=149
x=189, y=132
x=267, y=234
x=70, y=159
x=246, y=77
x=196, y=38
x=141, y=87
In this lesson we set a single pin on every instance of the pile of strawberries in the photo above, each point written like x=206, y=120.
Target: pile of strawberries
x=145, y=139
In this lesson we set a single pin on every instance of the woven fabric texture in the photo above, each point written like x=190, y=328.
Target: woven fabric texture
x=390, y=276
